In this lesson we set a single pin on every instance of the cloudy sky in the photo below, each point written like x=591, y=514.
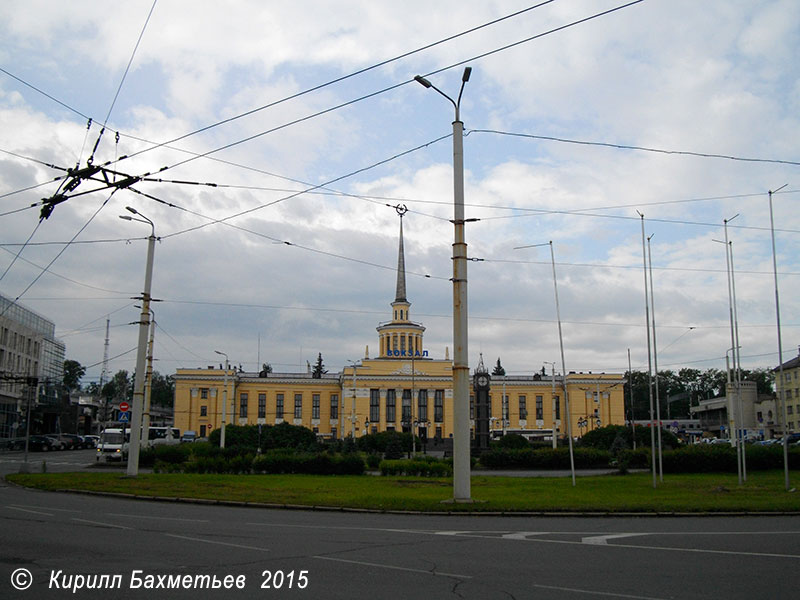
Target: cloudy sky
x=306, y=118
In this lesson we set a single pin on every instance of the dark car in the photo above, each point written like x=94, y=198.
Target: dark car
x=77, y=441
x=42, y=443
x=90, y=441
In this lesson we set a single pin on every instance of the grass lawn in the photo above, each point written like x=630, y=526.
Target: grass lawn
x=763, y=491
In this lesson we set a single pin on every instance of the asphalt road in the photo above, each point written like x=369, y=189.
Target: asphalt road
x=288, y=554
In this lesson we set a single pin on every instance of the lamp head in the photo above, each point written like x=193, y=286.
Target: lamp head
x=467, y=73
x=132, y=210
x=420, y=79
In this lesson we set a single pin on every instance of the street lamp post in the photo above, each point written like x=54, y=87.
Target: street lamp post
x=224, y=399
x=649, y=359
x=144, y=326
x=782, y=389
x=461, y=438
x=563, y=361
x=655, y=360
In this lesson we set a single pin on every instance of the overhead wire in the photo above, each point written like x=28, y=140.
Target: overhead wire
x=639, y=148
x=57, y=256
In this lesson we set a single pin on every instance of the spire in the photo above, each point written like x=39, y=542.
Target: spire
x=400, y=295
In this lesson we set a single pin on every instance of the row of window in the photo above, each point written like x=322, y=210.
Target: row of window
x=522, y=407
x=280, y=406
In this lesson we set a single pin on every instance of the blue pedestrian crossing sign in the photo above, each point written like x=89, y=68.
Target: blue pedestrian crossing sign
x=124, y=417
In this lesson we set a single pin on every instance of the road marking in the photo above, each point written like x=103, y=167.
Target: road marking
x=27, y=510
x=101, y=524
x=593, y=592
x=128, y=516
x=602, y=540
x=194, y=539
x=523, y=535
x=394, y=568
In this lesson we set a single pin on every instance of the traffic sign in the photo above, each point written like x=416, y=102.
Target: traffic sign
x=123, y=406
x=124, y=417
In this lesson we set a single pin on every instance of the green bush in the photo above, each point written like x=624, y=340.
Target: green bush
x=373, y=460
x=544, y=458
x=416, y=468
x=281, y=461
x=604, y=437
x=634, y=459
x=512, y=441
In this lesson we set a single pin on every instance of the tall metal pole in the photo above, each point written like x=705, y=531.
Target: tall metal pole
x=630, y=393
x=461, y=441
x=782, y=393
x=740, y=437
x=655, y=361
x=148, y=383
x=224, y=399
x=734, y=406
x=563, y=367
x=649, y=357
x=144, y=326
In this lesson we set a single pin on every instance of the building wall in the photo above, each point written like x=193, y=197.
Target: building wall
x=348, y=407
x=790, y=385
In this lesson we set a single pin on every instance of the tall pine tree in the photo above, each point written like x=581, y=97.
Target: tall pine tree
x=319, y=368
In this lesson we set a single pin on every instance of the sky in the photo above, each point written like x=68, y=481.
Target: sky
x=284, y=134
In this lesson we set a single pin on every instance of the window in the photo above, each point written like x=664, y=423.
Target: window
x=278, y=406
x=391, y=401
x=298, y=406
x=243, y=405
x=438, y=407
x=523, y=407
x=334, y=408
x=422, y=405
x=471, y=407
x=204, y=393
x=374, y=406
x=202, y=431
x=204, y=411
x=406, y=406
x=315, y=406
x=789, y=408
x=539, y=408
x=558, y=407
x=262, y=406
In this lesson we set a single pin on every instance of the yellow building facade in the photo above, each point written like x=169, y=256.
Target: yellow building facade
x=402, y=389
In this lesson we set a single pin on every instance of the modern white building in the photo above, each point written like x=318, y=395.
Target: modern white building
x=31, y=367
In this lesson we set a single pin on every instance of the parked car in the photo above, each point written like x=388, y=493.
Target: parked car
x=42, y=443
x=77, y=441
x=90, y=441
x=188, y=436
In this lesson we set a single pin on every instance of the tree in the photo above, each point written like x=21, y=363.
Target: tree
x=162, y=392
x=266, y=369
x=119, y=388
x=73, y=371
x=319, y=368
x=498, y=368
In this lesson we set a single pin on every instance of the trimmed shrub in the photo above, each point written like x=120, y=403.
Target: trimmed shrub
x=281, y=461
x=513, y=441
x=416, y=468
x=545, y=458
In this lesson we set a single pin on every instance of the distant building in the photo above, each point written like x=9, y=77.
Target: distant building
x=761, y=417
x=31, y=364
x=401, y=389
x=790, y=386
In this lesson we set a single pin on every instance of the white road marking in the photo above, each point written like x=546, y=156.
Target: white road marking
x=601, y=540
x=194, y=539
x=101, y=524
x=27, y=510
x=128, y=516
x=393, y=567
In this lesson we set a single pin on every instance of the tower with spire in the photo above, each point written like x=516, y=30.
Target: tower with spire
x=401, y=337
